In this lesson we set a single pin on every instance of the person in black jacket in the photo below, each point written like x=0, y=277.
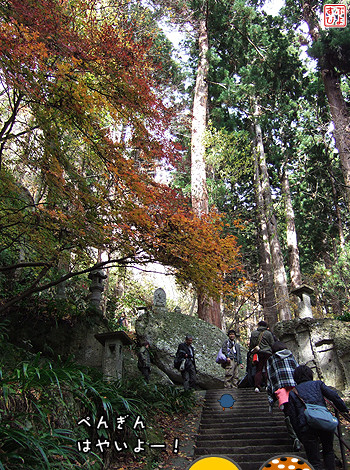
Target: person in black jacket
x=313, y=392
x=144, y=360
x=261, y=341
x=186, y=351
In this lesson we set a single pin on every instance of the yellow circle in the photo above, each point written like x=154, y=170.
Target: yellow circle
x=210, y=463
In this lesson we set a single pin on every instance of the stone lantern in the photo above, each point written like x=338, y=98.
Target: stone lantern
x=304, y=304
x=96, y=288
x=112, y=359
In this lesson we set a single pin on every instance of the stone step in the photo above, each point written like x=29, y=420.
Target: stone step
x=272, y=449
x=236, y=413
x=257, y=405
x=216, y=394
x=243, y=433
x=258, y=408
x=247, y=433
x=241, y=420
x=238, y=442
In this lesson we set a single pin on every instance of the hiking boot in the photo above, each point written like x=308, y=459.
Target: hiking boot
x=296, y=445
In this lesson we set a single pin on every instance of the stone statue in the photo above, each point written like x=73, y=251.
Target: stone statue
x=159, y=298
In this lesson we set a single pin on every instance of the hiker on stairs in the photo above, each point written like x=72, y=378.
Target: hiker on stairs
x=280, y=368
x=232, y=350
x=310, y=391
x=261, y=341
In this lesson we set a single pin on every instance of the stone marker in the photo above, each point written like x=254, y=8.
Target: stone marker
x=112, y=360
x=159, y=301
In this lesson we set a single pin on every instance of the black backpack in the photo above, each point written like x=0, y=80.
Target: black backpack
x=177, y=361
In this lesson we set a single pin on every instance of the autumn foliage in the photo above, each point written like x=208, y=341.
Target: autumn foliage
x=83, y=132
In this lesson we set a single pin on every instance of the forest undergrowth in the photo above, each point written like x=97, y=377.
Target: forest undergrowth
x=57, y=415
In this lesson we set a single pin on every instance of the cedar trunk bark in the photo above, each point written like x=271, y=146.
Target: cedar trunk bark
x=199, y=193
x=338, y=212
x=279, y=273
x=292, y=241
x=341, y=120
x=208, y=309
x=267, y=296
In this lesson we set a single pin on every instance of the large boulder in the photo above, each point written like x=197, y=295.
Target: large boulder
x=322, y=344
x=166, y=330
x=131, y=370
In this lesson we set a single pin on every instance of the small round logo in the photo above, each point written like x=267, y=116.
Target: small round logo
x=226, y=401
x=286, y=462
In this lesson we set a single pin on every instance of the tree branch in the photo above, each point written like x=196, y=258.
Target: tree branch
x=34, y=288
x=8, y=125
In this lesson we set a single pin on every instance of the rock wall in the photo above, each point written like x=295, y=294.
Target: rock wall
x=61, y=338
x=323, y=345
x=166, y=330
x=131, y=370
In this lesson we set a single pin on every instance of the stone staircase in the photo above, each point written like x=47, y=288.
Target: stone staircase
x=247, y=433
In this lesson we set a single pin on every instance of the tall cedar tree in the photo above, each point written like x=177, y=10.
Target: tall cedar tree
x=331, y=48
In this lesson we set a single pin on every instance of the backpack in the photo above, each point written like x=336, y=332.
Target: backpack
x=178, y=359
x=177, y=362
x=140, y=361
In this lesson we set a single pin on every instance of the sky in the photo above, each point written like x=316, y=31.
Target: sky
x=272, y=7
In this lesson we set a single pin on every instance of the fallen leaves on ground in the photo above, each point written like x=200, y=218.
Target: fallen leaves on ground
x=182, y=426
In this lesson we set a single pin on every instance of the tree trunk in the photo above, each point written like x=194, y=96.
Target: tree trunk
x=337, y=104
x=279, y=273
x=267, y=296
x=335, y=301
x=341, y=121
x=199, y=193
x=208, y=309
x=338, y=212
x=292, y=242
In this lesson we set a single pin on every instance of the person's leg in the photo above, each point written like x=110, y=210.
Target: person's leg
x=192, y=377
x=258, y=373
x=326, y=439
x=234, y=374
x=186, y=378
x=146, y=373
x=291, y=433
x=312, y=448
x=228, y=375
x=263, y=357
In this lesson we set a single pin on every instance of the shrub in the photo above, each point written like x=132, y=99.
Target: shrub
x=42, y=403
